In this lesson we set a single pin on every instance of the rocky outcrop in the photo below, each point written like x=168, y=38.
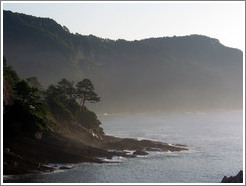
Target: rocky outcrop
x=111, y=142
x=140, y=152
x=234, y=179
x=23, y=154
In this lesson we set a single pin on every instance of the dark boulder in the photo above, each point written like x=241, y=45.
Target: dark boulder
x=65, y=167
x=234, y=179
x=140, y=152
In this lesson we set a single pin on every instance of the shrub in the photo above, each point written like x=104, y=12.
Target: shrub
x=87, y=118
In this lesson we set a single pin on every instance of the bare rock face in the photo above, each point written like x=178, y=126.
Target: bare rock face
x=234, y=179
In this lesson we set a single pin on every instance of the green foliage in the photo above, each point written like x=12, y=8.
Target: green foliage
x=33, y=82
x=27, y=27
x=57, y=100
x=23, y=91
x=31, y=120
x=52, y=92
x=66, y=88
x=27, y=95
x=63, y=91
x=88, y=119
x=28, y=107
x=34, y=108
x=73, y=106
x=59, y=110
x=160, y=67
x=85, y=92
x=61, y=99
x=9, y=74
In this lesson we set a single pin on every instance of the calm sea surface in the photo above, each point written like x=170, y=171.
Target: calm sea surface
x=215, y=142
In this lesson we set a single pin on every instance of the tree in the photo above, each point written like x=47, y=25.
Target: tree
x=27, y=95
x=85, y=92
x=33, y=82
x=64, y=92
x=23, y=91
x=66, y=88
x=10, y=74
x=52, y=92
x=66, y=29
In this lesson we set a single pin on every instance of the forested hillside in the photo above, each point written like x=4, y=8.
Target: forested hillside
x=157, y=74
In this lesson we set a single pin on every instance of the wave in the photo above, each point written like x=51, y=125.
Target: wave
x=115, y=159
x=129, y=152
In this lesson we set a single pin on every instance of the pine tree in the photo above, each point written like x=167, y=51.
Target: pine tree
x=85, y=92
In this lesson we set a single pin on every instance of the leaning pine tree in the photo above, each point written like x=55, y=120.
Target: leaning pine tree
x=85, y=92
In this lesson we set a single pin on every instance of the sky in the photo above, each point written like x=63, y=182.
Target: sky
x=222, y=20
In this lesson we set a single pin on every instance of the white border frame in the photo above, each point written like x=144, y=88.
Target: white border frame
x=2, y=2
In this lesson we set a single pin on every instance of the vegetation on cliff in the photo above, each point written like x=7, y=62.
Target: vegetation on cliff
x=29, y=109
x=43, y=126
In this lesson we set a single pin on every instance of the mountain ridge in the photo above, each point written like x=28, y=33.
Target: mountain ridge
x=168, y=73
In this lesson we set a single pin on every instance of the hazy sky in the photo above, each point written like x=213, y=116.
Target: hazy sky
x=137, y=20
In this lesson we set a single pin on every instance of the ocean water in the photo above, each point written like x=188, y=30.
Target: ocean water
x=215, y=142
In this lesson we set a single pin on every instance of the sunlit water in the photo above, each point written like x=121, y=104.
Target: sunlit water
x=215, y=142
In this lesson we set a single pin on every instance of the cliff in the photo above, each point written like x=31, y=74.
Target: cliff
x=41, y=127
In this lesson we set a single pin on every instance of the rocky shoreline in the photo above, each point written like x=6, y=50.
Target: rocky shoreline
x=27, y=155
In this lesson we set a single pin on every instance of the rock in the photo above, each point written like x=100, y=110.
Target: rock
x=234, y=179
x=180, y=145
x=65, y=167
x=34, y=155
x=133, y=144
x=140, y=152
x=45, y=168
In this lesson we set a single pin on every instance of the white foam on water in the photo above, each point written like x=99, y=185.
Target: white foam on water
x=58, y=167
x=115, y=159
x=154, y=149
x=129, y=152
x=114, y=150
x=141, y=138
x=142, y=156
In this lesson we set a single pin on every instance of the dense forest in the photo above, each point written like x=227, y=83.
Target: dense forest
x=47, y=125
x=157, y=74
x=30, y=109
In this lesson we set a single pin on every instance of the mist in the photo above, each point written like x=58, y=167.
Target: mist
x=166, y=74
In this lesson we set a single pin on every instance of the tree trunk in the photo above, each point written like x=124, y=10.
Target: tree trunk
x=83, y=104
x=80, y=104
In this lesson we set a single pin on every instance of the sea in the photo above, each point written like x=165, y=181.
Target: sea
x=215, y=141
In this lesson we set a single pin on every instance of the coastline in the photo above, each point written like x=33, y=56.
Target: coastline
x=27, y=155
